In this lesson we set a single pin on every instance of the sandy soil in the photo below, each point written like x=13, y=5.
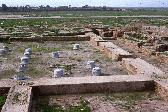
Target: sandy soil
x=150, y=106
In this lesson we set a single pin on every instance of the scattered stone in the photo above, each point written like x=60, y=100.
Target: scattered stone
x=25, y=60
x=96, y=71
x=27, y=54
x=20, y=76
x=58, y=73
x=91, y=64
x=2, y=52
x=6, y=48
x=55, y=54
x=76, y=47
x=23, y=67
x=28, y=50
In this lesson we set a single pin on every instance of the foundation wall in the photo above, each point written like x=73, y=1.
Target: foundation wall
x=94, y=88
x=77, y=38
x=139, y=66
x=113, y=51
x=19, y=99
x=94, y=85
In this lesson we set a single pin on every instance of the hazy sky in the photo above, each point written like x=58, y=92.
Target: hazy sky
x=113, y=3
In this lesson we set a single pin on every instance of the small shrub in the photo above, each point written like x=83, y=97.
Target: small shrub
x=2, y=101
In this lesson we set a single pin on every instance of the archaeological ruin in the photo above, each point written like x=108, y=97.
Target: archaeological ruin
x=92, y=66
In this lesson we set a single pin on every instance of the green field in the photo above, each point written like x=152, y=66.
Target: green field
x=130, y=12
x=79, y=22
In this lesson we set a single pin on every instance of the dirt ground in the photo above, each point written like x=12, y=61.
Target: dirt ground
x=117, y=102
x=72, y=61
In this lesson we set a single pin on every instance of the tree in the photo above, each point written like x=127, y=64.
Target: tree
x=4, y=7
x=48, y=7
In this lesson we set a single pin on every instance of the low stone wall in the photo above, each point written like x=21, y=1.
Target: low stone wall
x=113, y=51
x=19, y=99
x=7, y=83
x=109, y=38
x=118, y=33
x=71, y=34
x=104, y=84
x=140, y=67
x=95, y=39
x=61, y=38
x=106, y=45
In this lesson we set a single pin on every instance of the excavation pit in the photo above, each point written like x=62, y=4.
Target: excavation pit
x=109, y=102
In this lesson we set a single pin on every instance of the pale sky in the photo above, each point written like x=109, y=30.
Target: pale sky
x=112, y=3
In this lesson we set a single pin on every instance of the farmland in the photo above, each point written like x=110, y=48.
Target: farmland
x=161, y=12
